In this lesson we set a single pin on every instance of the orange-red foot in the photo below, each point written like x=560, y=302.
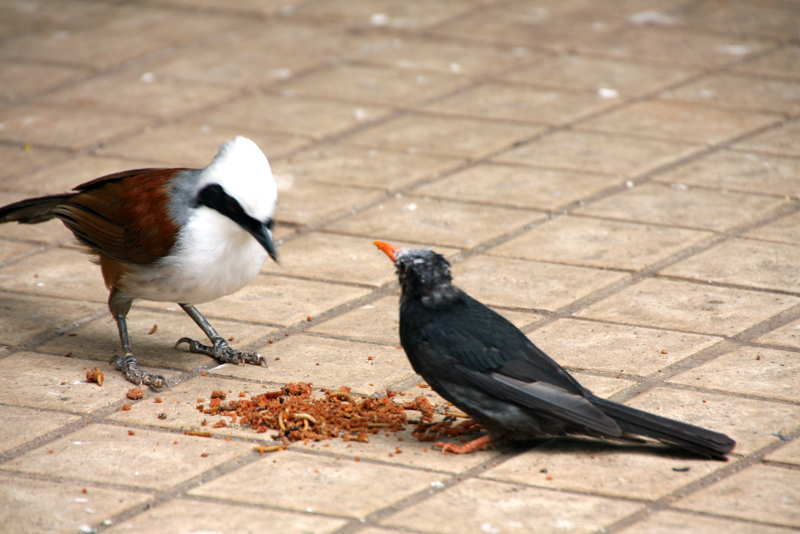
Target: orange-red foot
x=476, y=444
x=467, y=427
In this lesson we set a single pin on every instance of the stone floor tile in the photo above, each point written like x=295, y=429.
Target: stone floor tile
x=362, y=167
x=326, y=363
x=304, y=202
x=369, y=85
x=787, y=454
x=309, y=117
x=602, y=386
x=751, y=423
x=194, y=144
x=688, y=306
x=405, y=16
x=599, y=243
x=672, y=45
x=123, y=34
x=680, y=121
x=569, y=71
x=517, y=186
x=403, y=449
x=615, y=470
x=759, y=493
x=741, y=19
x=471, y=60
x=440, y=222
x=459, y=137
x=783, y=230
x=769, y=373
x=620, y=155
x=781, y=63
x=521, y=103
x=616, y=348
x=528, y=284
x=670, y=522
x=25, y=317
x=65, y=175
x=787, y=335
x=57, y=272
x=682, y=206
x=153, y=336
x=20, y=81
x=743, y=262
x=59, y=383
x=740, y=171
x=741, y=92
x=104, y=453
x=186, y=516
x=530, y=25
x=246, y=7
x=314, y=479
x=781, y=141
x=31, y=506
x=20, y=425
x=61, y=127
x=24, y=158
x=43, y=233
x=274, y=300
x=489, y=506
x=69, y=14
x=139, y=90
x=12, y=249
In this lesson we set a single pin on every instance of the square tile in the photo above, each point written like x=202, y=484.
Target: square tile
x=183, y=516
x=520, y=103
x=314, y=479
x=784, y=140
x=603, y=468
x=274, y=300
x=740, y=18
x=760, y=493
x=599, y=243
x=762, y=372
x=787, y=454
x=689, y=307
x=362, y=167
x=594, y=152
x=153, y=336
x=194, y=144
x=528, y=284
x=485, y=505
x=616, y=348
x=373, y=84
x=572, y=71
x=25, y=317
x=311, y=117
x=743, y=262
x=24, y=158
x=103, y=453
x=59, y=507
x=440, y=222
x=739, y=171
x=304, y=201
x=602, y=386
x=688, y=207
x=59, y=383
x=20, y=18
x=517, y=186
x=20, y=81
x=742, y=92
x=783, y=230
x=20, y=425
x=781, y=63
x=67, y=128
x=669, y=522
x=327, y=363
x=672, y=45
x=752, y=423
x=680, y=121
x=787, y=335
x=459, y=137
x=403, y=15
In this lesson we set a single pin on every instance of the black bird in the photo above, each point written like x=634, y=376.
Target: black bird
x=484, y=365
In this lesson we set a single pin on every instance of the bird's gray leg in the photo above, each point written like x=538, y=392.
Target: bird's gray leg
x=119, y=303
x=220, y=350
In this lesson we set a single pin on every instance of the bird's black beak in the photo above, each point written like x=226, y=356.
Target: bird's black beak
x=388, y=249
x=264, y=236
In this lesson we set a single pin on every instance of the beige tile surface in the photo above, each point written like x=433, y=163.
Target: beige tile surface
x=19, y=425
x=26, y=316
x=782, y=230
x=782, y=140
x=729, y=90
x=787, y=335
x=782, y=63
x=667, y=522
x=787, y=454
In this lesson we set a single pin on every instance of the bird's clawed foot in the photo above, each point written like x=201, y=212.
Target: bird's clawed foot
x=476, y=444
x=223, y=352
x=130, y=368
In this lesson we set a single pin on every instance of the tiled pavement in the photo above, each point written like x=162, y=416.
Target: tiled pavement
x=620, y=179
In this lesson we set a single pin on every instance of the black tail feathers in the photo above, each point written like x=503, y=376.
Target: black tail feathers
x=32, y=210
x=693, y=438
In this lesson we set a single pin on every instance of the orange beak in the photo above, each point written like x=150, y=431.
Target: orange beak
x=386, y=248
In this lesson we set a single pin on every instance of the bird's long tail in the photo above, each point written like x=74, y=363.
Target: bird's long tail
x=694, y=438
x=32, y=210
